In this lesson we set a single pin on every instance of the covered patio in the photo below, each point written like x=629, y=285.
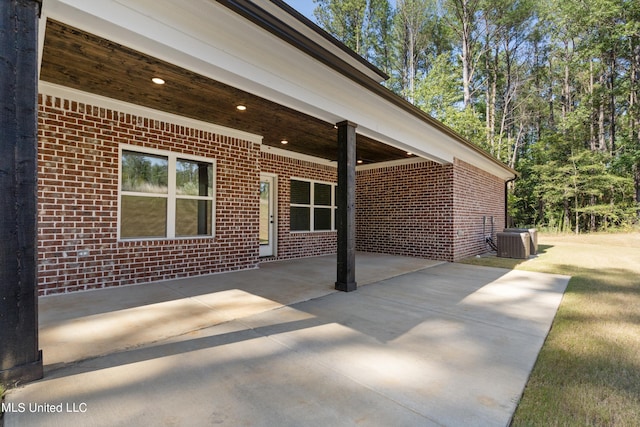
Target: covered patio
x=423, y=343
x=82, y=325
x=253, y=94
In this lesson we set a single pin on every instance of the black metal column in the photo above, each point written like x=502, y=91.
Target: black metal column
x=346, y=204
x=20, y=359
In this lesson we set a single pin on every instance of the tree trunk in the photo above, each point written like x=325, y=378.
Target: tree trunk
x=490, y=88
x=412, y=64
x=492, y=103
x=516, y=145
x=465, y=11
x=592, y=216
x=552, y=120
x=636, y=182
x=635, y=117
x=466, y=65
x=612, y=99
x=634, y=79
x=602, y=143
x=592, y=128
x=566, y=86
x=567, y=219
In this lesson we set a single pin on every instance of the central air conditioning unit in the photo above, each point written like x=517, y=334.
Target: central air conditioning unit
x=514, y=245
x=533, y=234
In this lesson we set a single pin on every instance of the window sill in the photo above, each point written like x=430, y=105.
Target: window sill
x=312, y=232
x=161, y=239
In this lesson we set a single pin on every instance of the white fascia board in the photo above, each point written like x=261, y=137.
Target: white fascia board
x=485, y=164
x=63, y=92
x=317, y=160
x=211, y=40
x=390, y=163
x=297, y=156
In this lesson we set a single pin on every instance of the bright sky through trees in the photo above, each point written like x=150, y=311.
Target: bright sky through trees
x=303, y=6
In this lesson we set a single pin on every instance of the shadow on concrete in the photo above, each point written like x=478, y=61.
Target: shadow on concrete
x=447, y=345
x=82, y=325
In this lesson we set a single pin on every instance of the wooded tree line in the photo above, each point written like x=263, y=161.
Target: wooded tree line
x=550, y=87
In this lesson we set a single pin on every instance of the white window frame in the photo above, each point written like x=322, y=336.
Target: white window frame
x=171, y=195
x=312, y=205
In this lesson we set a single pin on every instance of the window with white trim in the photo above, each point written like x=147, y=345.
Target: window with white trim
x=165, y=195
x=312, y=205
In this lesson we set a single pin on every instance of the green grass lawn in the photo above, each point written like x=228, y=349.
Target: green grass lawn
x=588, y=371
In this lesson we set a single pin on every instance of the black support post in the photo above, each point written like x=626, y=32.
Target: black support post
x=346, y=204
x=20, y=358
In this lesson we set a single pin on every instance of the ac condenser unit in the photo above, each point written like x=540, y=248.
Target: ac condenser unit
x=514, y=245
x=533, y=235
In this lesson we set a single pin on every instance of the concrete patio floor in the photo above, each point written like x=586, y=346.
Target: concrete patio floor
x=423, y=344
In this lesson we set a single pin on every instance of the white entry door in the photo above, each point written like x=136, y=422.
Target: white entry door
x=267, y=215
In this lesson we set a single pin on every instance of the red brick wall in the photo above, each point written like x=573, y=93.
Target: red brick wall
x=297, y=244
x=477, y=195
x=78, y=199
x=406, y=210
x=427, y=210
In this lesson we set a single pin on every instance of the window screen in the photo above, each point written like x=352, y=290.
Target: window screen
x=148, y=198
x=312, y=207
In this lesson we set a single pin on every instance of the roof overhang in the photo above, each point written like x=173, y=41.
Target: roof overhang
x=220, y=41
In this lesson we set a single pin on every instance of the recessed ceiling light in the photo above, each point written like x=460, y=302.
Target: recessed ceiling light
x=157, y=80
x=241, y=107
x=359, y=161
x=284, y=142
x=409, y=153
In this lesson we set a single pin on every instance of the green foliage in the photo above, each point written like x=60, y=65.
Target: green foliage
x=362, y=25
x=467, y=123
x=144, y=173
x=345, y=19
x=439, y=89
x=552, y=88
x=581, y=192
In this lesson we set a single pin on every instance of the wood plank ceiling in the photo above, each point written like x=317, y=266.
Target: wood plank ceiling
x=83, y=61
